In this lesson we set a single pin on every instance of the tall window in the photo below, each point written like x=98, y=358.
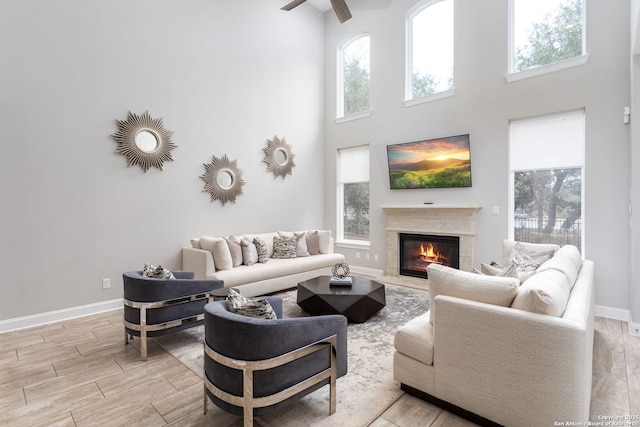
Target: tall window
x=353, y=194
x=545, y=32
x=430, y=49
x=546, y=157
x=353, y=77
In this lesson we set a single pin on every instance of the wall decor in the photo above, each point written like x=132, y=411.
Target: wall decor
x=223, y=179
x=278, y=157
x=144, y=141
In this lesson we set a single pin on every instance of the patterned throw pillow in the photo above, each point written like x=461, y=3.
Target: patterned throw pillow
x=158, y=272
x=523, y=265
x=284, y=247
x=261, y=247
x=258, y=308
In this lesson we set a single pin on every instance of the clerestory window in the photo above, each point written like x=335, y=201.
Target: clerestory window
x=353, y=77
x=546, y=32
x=429, y=65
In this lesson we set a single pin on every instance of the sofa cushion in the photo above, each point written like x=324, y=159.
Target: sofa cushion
x=284, y=247
x=476, y=287
x=415, y=339
x=276, y=268
x=546, y=292
x=568, y=260
x=249, y=252
x=220, y=251
x=258, y=307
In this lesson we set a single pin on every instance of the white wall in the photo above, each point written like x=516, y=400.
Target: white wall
x=482, y=105
x=224, y=76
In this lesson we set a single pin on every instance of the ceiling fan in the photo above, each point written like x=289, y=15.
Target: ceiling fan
x=339, y=6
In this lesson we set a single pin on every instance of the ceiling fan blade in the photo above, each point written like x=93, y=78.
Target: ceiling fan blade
x=294, y=3
x=341, y=9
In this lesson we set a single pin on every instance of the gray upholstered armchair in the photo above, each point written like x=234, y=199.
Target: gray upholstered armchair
x=154, y=307
x=254, y=366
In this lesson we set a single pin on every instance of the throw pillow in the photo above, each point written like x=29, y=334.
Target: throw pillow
x=523, y=264
x=284, y=247
x=463, y=284
x=324, y=241
x=258, y=308
x=236, y=250
x=490, y=269
x=249, y=252
x=546, y=293
x=158, y=272
x=261, y=247
x=220, y=251
x=301, y=244
x=313, y=242
x=567, y=260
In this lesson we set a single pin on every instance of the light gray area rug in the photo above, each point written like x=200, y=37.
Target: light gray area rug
x=367, y=389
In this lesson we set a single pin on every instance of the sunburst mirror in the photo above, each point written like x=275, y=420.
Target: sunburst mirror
x=144, y=141
x=222, y=179
x=278, y=157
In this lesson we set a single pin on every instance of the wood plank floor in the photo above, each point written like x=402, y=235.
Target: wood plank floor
x=80, y=373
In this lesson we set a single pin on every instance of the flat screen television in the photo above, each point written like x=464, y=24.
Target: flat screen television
x=431, y=163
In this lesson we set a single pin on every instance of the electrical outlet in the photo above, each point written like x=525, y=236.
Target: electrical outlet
x=375, y=257
x=357, y=255
x=496, y=210
x=366, y=256
x=106, y=283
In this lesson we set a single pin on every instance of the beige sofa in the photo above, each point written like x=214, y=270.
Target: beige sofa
x=208, y=258
x=514, y=354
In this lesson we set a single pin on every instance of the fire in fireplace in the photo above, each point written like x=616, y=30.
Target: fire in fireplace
x=417, y=251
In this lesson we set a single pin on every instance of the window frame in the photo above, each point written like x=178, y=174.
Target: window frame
x=340, y=113
x=513, y=75
x=409, y=100
x=340, y=240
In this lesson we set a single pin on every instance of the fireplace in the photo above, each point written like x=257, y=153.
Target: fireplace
x=417, y=251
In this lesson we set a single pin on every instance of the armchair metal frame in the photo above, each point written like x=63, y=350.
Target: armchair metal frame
x=143, y=327
x=247, y=401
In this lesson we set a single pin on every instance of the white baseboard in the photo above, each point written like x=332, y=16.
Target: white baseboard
x=619, y=314
x=366, y=271
x=59, y=315
x=612, y=313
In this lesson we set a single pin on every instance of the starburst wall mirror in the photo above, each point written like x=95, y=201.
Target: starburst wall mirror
x=278, y=157
x=144, y=141
x=222, y=179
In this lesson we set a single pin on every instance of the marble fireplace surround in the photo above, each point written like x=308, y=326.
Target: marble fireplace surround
x=434, y=219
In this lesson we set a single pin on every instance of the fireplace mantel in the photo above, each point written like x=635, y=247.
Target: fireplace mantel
x=439, y=219
x=472, y=208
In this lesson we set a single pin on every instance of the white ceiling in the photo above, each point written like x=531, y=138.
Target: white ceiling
x=324, y=5
x=321, y=5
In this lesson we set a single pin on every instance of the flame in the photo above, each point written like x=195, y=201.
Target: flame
x=429, y=253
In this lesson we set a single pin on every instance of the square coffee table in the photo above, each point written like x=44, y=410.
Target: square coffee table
x=357, y=302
